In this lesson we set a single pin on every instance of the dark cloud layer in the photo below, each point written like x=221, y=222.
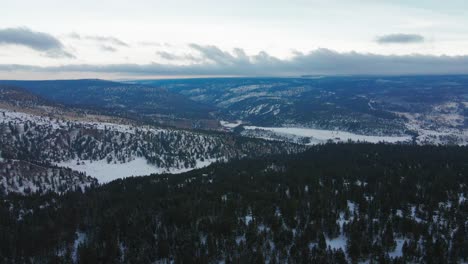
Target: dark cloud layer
x=216, y=62
x=400, y=39
x=39, y=41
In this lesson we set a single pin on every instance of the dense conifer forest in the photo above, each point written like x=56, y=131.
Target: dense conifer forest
x=335, y=203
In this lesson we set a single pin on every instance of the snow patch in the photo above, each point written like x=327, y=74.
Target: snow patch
x=398, y=252
x=248, y=219
x=230, y=125
x=80, y=239
x=338, y=243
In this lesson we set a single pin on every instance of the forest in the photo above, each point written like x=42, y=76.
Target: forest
x=334, y=203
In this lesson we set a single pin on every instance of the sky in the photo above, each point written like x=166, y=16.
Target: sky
x=119, y=39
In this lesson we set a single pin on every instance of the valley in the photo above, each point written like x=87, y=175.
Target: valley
x=429, y=109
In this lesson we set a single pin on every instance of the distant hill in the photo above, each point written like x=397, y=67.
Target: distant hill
x=16, y=95
x=433, y=109
x=153, y=104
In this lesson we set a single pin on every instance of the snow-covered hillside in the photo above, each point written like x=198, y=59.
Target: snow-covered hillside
x=109, y=151
x=24, y=177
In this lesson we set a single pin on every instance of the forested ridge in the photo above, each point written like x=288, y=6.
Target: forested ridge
x=167, y=148
x=26, y=138
x=335, y=203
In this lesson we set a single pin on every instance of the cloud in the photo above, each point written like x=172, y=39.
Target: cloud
x=74, y=35
x=215, y=55
x=154, y=43
x=400, y=39
x=216, y=62
x=108, y=39
x=168, y=56
x=177, y=57
x=39, y=41
x=108, y=48
x=111, y=40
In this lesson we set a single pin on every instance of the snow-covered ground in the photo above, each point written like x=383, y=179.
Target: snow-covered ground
x=80, y=239
x=317, y=136
x=230, y=125
x=337, y=243
x=19, y=117
x=25, y=178
x=443, y=126
x=106, y=172
x=398, y=252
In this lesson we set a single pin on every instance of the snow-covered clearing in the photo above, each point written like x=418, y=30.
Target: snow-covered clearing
x=106, y=172
x=321, y=136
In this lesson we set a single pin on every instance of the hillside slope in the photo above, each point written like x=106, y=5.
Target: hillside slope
x=23, y=177
x=35, y=130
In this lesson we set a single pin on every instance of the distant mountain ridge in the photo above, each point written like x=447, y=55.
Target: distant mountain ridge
x=429, y=109
x=152, y=104
x=432, y=109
